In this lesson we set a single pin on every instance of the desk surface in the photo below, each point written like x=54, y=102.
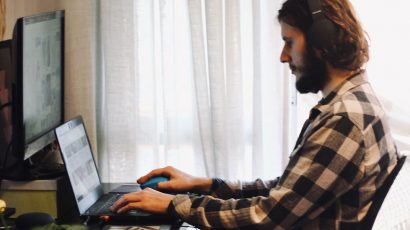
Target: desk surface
x=51, y=185
x=184, y=226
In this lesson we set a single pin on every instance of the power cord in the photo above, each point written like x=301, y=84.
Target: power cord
x=3, y=164
x=5, y=105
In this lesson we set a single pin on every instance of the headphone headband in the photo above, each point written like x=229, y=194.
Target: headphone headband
x=323, y=31
x=315, y=7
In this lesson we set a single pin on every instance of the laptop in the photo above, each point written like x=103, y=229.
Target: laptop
x=85, y=180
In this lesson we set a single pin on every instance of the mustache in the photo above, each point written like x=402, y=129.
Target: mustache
x=292, y=67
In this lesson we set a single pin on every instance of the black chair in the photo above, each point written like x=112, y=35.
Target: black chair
x=369, y=219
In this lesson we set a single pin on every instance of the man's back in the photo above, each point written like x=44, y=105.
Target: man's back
x=351, y=148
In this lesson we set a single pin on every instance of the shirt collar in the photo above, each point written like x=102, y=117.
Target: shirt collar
x=348, y=84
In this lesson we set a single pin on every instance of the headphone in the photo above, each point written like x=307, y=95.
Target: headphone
x=323, y=31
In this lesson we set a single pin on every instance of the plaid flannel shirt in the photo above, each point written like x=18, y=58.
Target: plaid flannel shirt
x=342, y=156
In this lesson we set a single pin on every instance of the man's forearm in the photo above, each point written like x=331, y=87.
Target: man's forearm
x=202, y=185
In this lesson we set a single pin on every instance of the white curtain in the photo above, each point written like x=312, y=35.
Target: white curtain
x=196, y=84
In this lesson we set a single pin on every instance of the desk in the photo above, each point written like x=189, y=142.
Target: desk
x=184, y=226
x=49, y=196
x=55, y=197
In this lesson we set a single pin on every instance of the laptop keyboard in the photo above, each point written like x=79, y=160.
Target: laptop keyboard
x=102, y=207
x=104, y=204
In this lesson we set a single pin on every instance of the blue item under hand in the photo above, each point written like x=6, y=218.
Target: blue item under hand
x=153, y=182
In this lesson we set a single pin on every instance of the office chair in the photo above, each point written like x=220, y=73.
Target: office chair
x=386, y=197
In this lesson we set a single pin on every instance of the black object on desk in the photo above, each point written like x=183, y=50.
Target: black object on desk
x=8, y=212
x=34, y=219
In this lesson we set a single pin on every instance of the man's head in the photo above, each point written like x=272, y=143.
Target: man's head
x=309, y=63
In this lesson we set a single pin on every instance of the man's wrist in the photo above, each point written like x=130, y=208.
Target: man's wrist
x=203, y=185
x=171, y=210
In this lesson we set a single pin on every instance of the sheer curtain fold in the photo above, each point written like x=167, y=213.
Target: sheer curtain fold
x=216, y=69
x=193, y=84
x=201, y=85
x=273, y=104
x=234, y=115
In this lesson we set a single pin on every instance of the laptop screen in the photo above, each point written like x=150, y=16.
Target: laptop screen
x=79, y=162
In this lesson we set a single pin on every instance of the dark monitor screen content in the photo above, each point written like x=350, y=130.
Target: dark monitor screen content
x=42, y=70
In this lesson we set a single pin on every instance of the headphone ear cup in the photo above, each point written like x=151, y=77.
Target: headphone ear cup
x=322, y=34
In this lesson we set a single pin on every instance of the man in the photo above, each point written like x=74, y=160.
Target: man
x=343, y=154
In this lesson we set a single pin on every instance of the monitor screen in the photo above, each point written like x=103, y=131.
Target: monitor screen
x=39, y=61
x=42, y=78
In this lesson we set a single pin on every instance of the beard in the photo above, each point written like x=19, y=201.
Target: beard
x=314, y=76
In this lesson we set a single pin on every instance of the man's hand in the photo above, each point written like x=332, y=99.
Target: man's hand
x=178, y=181
x=148, y=200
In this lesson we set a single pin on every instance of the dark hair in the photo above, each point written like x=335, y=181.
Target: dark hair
x=350, y=50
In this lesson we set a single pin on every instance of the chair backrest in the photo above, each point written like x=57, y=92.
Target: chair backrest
x=395, y=211
x=379, y=198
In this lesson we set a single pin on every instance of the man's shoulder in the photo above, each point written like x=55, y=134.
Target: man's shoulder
x=360, y=105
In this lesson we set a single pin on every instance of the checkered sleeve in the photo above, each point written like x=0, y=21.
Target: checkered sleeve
x=324, y=168
x=238, y=189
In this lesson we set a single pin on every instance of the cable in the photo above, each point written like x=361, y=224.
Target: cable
x=11, y=141
x=4, y=166
x=85, y=222
x=5, y=105
x=7, y=152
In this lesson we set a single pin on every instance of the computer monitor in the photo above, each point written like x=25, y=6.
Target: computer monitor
x=38, y=94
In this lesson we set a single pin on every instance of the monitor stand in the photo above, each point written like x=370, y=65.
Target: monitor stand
x=46, y=164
